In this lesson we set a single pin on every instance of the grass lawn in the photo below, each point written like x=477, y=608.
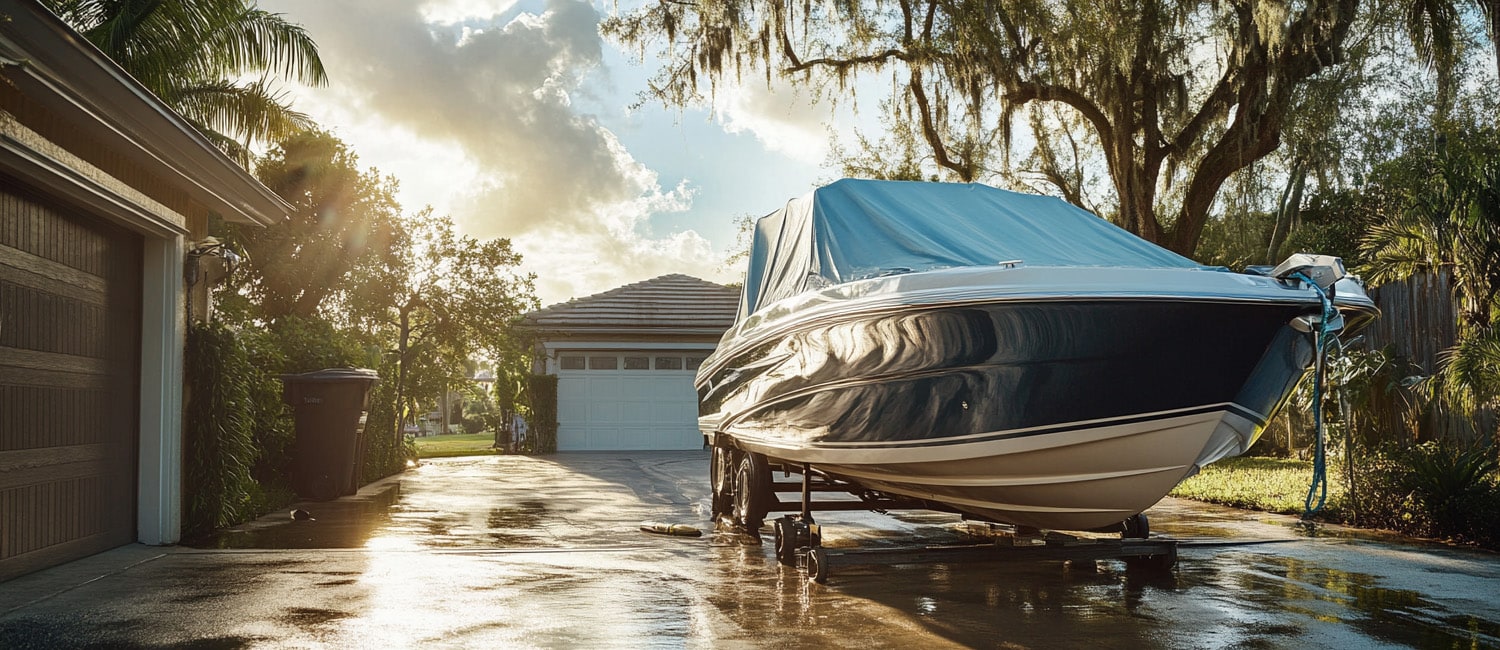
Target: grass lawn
x=468, y=444
x=1270, y=484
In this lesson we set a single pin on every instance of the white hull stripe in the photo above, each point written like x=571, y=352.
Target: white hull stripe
x=1236, y=409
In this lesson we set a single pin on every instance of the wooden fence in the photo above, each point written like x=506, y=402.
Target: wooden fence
x=1418, y=319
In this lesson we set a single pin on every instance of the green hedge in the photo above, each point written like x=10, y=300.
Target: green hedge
x=235, y=433
x=1432, y=490
x=386, y=450
x=542, y=393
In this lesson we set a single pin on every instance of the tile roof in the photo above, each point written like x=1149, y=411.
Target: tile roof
x=671, y=302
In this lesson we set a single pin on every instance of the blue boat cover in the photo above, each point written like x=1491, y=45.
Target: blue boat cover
x=856, y=229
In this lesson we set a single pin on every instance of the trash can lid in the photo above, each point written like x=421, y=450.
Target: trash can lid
x=334, y=374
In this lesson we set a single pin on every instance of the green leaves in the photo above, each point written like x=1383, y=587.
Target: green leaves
x=196, y=55
x=340, y=248
x=219, y=430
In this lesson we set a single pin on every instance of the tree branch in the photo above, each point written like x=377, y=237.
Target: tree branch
x=842, y=64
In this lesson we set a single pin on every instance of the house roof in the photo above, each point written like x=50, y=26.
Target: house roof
x=49, y=62
x=670, y=304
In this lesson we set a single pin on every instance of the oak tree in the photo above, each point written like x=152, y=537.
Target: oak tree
x=1174, y=96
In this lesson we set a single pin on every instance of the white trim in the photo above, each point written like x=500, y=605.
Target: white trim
x=793, y=449
x=554, y=351
x=159, y=474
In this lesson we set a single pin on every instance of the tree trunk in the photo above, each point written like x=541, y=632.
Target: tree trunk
x=1290, y=207
x=402, y=345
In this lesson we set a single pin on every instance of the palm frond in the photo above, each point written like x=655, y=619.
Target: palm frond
x=261, y=41
x=1471, y=369
x=253, y=112
x=184, y=50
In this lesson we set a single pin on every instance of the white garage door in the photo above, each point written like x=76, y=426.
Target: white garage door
x=631, y=400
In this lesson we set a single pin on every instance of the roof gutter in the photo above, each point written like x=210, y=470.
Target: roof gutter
x=55, y=67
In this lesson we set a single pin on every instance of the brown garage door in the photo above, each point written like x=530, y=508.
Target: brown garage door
x=69, y=358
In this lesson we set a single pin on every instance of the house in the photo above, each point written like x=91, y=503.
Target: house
x=104, y=192
x=625, y=361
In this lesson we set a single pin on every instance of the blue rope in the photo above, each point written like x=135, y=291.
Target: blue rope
x=1317, y=493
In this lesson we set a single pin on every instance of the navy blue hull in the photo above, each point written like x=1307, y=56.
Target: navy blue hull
x=1023, y=367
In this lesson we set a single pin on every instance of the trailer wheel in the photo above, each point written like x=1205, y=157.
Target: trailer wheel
x=817, y=565
x=721, y=465
x=786, y=541
x=1137, y=526
x=752, y=492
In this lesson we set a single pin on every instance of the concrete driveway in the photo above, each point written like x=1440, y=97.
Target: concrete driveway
x=525, y=552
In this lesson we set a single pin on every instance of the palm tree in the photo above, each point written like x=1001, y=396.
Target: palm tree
x=1435, y=28
x=196, y=54
x=1450, y=221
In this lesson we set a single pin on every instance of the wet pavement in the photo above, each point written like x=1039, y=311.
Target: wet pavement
x=545, y=552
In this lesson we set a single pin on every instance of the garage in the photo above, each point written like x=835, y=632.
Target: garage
x=103, y=193
x=638, y=399
x=70, y=301
x=625, y=361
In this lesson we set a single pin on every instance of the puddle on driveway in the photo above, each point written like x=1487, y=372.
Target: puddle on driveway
x=343, y=523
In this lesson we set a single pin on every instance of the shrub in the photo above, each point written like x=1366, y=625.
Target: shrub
x=294, y=344
x=219, y=437
x=542, y=391
x=1431, y=490
x=386, y=449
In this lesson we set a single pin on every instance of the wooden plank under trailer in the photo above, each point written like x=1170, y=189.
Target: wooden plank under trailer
x=1140, y=555
x=798, y=539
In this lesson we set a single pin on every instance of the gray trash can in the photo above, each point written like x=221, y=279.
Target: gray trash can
x=330, y=407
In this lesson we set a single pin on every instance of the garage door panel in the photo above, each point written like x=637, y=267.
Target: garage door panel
x=641, y=389
x=69, y=373
x=24, y=270
x=632, y=438
x=44, y=416
x=602, y=411
x=674, y=412
x=604, y=388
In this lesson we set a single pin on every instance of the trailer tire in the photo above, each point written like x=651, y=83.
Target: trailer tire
x=1137, y=526
x=786, y=541
x=752, y=492
x=817, y=565
x=721, y=467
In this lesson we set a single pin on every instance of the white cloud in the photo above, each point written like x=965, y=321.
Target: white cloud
x=782, y=118
x=481, y=99
x=448, y=12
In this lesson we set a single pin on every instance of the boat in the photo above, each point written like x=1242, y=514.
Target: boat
x=1006, y=356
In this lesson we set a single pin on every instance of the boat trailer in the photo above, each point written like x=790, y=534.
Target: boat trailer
x=798, y=537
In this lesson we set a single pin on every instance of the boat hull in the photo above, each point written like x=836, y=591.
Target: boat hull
x=1061, y=413
x=1085, y=478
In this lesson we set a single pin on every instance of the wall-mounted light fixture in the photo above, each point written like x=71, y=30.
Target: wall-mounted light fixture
x=209, y=260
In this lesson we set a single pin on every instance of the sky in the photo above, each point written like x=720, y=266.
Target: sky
x=515, y=118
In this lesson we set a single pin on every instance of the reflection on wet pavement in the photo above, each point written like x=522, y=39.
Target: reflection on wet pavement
x=528, y=552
